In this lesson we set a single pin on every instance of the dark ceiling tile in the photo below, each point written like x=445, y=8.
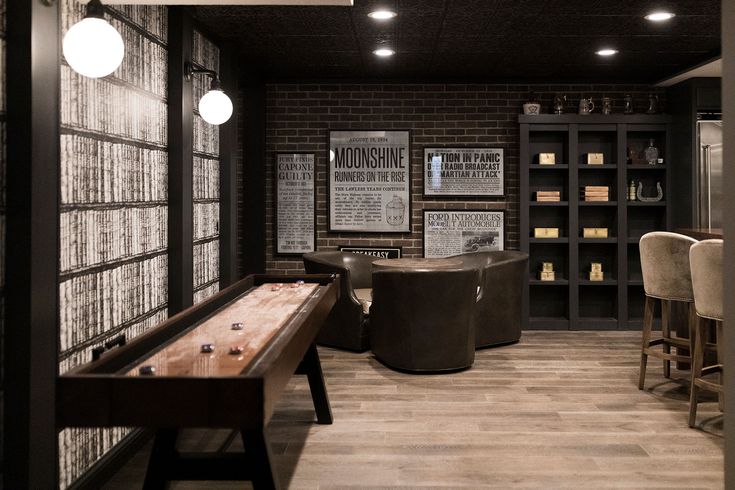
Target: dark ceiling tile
x=460, y=39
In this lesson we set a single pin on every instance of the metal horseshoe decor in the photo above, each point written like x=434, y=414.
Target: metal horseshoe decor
x=659, y=196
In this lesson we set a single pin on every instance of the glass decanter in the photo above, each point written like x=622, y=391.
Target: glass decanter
x=651, y=153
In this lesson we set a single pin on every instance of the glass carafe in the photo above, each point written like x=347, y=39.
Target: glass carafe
x=651, y=153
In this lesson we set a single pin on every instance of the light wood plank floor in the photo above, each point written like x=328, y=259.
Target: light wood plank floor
x=557, y=410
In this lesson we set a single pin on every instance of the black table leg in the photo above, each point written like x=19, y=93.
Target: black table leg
x=258, y=455
x=312, y=368
x=162, y=457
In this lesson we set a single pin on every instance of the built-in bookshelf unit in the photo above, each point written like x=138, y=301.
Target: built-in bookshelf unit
x=596, y=158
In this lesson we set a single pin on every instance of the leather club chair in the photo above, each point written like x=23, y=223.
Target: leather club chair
x=346, y=327
x=500, y=276
x=421, y=319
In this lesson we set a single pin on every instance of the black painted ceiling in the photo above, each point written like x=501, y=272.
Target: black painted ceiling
x=483, y=40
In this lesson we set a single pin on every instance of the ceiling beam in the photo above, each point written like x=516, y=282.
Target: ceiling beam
x=711, y=68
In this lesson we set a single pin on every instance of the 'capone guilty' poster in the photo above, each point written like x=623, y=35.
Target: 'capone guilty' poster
x=369, y=181
x=295, y=203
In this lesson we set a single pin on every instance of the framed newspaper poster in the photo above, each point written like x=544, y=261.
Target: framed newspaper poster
x=466, y=172
x=449, y=232
x=295, y=203
x=369, y=181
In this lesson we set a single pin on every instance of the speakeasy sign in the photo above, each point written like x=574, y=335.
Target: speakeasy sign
x=369, y=181
x=448, y=232
x=294, y=176
x=463, y=172
x=382, y=252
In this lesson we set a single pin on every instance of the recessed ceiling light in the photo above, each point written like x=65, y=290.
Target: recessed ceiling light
x=660, y=16
x=382, y=14
x=606, y=52
x=384, y=52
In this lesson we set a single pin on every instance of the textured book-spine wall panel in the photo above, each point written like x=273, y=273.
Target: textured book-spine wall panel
x=109, y=108
x=206, y=138
x=114, y=193
x=206, y=178
x=204, y=293
x=205, y=54
x=94, y=304
x=91, y=237
x=206, y=218
x=206, y=263
x=94, y=171
x=78, y=445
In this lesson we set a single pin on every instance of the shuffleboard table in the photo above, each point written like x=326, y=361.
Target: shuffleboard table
x=220, y=364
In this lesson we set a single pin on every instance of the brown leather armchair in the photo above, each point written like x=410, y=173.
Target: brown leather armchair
x=500, y=277
x=421, y=320
x=346, y=327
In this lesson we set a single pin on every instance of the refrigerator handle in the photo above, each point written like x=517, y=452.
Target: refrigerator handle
x=708, y=176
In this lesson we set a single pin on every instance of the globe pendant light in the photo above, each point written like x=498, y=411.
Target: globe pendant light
x=215, y=106
x=92, y=47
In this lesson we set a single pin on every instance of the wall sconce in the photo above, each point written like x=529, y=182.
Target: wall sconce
x=215, y=106
x=92, y=47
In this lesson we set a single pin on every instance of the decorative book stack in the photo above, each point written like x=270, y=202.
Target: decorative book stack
x=548, y=196
x=596, y=193
x=594, y=233
x=547, y=159
x=596, y=273
x=547, y=272
x=595, y=158
x=546, y=232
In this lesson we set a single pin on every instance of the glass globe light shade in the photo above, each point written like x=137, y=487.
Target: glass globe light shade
x=215, y=107
x=93, y=48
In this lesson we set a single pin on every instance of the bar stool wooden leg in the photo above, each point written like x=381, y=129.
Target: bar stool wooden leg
x=646, y=334
x=693, y=319
x=720, y=355
x=666, y=334
x=697, y=362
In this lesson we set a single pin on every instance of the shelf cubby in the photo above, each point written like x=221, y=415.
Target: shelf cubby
x=597, y=302
x=643, y=219
x=600, y=141
x=556, y=253
x=555, y=142
x=551, y=304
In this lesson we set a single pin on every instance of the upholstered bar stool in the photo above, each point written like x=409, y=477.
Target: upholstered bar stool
x=666, y=278
x=706, y=262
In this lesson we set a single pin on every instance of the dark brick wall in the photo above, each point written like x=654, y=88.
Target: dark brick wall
x=299, y=117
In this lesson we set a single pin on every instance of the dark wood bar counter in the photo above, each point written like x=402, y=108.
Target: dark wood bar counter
x=702, y=233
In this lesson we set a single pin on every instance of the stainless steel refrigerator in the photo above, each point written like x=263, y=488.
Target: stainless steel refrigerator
x=709, y=171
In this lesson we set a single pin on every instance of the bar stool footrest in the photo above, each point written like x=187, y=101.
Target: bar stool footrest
x=709, y=385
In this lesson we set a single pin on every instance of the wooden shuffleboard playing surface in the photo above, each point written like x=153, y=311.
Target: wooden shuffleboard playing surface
x=262, y=312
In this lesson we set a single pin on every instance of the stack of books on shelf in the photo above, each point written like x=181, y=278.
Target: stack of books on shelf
x=548, y=196
x=595, y=193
